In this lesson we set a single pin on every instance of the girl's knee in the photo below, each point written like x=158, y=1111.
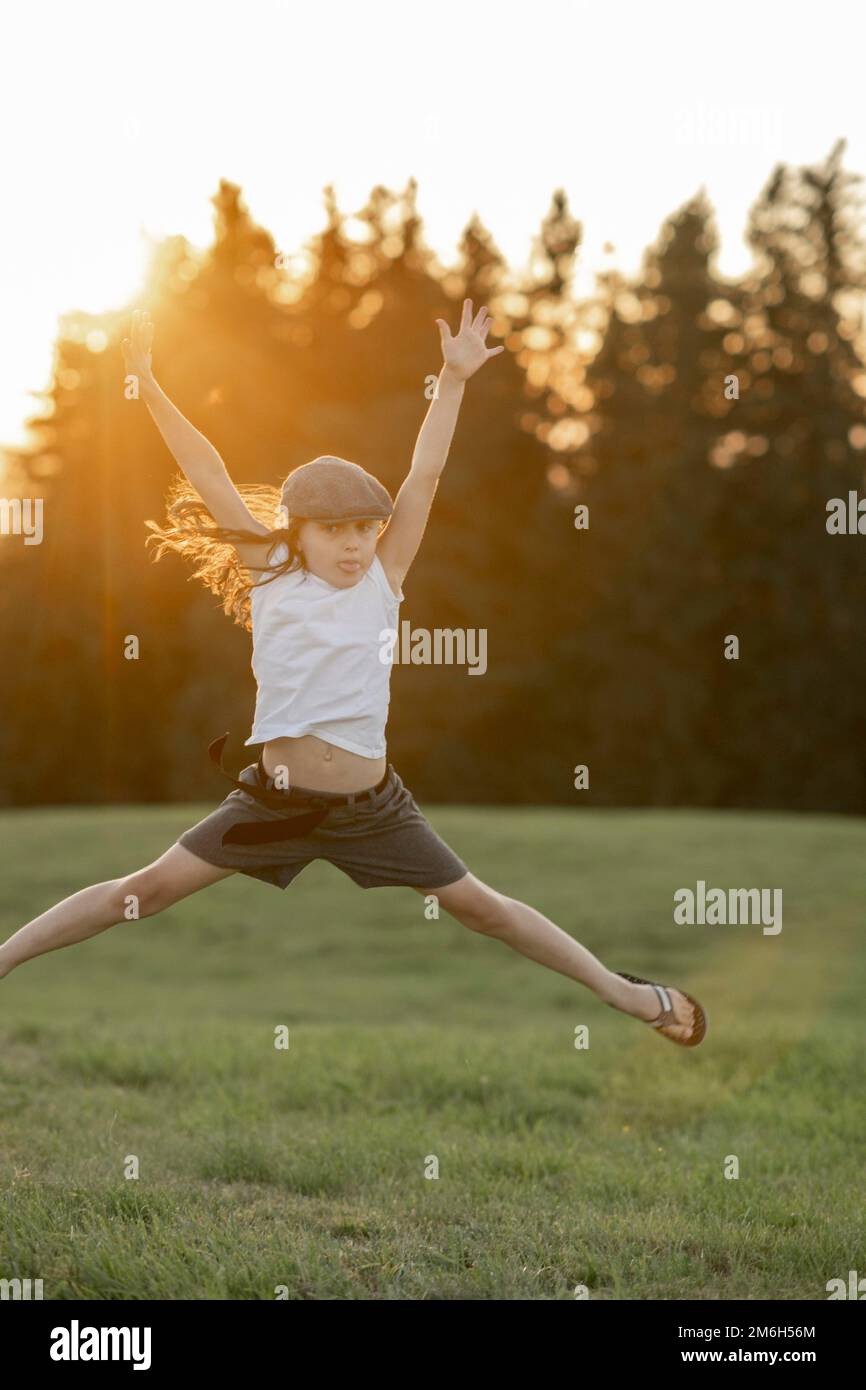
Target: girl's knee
x=481, y=908
x=142, y=894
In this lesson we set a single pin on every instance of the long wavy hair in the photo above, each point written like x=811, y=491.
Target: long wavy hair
x=191, y=531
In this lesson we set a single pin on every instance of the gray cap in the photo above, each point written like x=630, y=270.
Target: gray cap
x=332, y=489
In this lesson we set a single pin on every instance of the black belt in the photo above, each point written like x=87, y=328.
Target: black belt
x=301, y=823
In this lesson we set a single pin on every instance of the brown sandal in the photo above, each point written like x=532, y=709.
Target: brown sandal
x=667, y=1016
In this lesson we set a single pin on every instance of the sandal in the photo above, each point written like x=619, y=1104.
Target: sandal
x=667, y=1016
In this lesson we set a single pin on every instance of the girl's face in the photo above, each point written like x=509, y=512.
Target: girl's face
x=340, y=552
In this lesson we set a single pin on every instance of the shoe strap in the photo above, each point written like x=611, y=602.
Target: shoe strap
x=667, y=1016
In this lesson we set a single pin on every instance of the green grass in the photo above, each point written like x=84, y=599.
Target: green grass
x=305, y=1168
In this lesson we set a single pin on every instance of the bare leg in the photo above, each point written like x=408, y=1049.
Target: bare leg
x=92, y=910
x=483, y=909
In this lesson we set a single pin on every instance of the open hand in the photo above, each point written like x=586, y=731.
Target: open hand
x=466, y=352
x=136, y=349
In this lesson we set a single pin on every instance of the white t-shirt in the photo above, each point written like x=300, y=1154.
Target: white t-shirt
x=316, y=657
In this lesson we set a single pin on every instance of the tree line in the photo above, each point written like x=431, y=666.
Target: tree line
x=634, y=510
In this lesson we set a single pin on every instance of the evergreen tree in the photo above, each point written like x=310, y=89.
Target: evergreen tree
x=792, y=702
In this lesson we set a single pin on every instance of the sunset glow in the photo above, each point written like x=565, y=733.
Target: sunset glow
x=117, y=139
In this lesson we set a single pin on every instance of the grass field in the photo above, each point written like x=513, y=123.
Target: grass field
x=408, y=1038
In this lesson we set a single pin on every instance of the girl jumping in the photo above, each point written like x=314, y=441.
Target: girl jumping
x=315, y=572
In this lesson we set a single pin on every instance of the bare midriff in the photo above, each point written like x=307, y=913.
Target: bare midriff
x=322, y=766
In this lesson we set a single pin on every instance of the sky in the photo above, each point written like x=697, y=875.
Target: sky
x=120, y=121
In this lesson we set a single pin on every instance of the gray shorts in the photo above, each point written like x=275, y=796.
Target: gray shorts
x=380, y=843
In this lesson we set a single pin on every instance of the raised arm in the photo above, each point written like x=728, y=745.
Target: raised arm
x=195, y=455
x=463, y=354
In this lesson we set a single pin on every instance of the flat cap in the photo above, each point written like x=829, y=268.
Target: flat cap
x=332, y=489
